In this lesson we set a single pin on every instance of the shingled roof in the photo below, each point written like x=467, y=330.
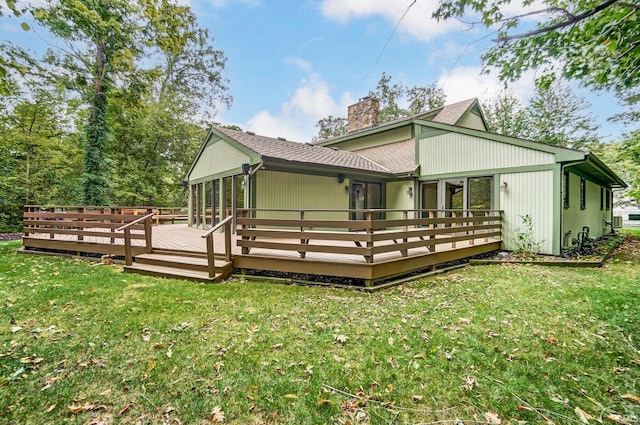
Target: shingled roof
x=451, y=114
x=285, y=150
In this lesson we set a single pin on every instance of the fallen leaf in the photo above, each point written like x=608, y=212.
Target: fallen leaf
x=492, y=418
x=337, y=358
x=106, y=392
x=86, y=408
x=464, y=321
x=631, y=397
x=15, y=329
x=619, y=419
x=582, y=415
x=277, y=346
x=217, y=415
x=50, y=408
x=323, y=401
x=341, y=338
x=290, y=396
x=126, y=408
x=417, y=397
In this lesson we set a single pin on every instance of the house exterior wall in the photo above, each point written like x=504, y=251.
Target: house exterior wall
x=280, y=190
x=532, y=194
x=574, y=217
x=217, y=158
x=377, y=139
x=472, y=120
x=455, y=152
x=398, y=198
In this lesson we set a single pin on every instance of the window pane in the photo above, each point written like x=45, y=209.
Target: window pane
x=480, y=193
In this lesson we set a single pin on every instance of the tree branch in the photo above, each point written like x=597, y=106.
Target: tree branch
x=568, y=22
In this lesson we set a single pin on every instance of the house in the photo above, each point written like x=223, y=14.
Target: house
x=444, y=159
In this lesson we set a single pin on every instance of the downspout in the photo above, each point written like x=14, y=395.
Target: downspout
x=250, y=196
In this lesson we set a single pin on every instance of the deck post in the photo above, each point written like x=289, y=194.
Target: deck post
x=227, y=241
x=454, y=215
x=486, y=214
x=244, y=214
x=303, y=241
x=432, y=227
x=147, y=235
x=211, y=260
x=473, y=230
x=127, y=247
x=81, y=210
x=52, y=235
x=405, y=228
x=369, y=217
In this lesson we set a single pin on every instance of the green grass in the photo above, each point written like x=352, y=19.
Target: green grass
x=84, y=343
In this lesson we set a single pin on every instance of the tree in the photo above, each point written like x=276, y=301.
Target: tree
x=109, y=45
x=391, y=96
x=331, y=127
x=596, y=42
x=557, y=116
x=505, y=114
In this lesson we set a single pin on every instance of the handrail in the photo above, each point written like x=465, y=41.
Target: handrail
x=211, y=261
x=127, y=236
x=217, y=226
x=136, y=221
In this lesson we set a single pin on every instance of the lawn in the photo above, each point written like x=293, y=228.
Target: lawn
x=512, y=344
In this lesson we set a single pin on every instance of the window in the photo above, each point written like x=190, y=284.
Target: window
x=365, y=196
x=566, y=189
x=583, y=194
x=480, y=193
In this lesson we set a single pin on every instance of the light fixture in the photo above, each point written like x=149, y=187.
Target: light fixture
x=246, y=168
x=410, y=191
x=503, y=186
x=347, y=189
x=341, y=178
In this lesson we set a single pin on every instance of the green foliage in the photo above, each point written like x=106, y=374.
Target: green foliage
x=555, y=115
x=331, y=126
x=391, y=96
x=524, y=237
x=594, y=42
x=86, y=343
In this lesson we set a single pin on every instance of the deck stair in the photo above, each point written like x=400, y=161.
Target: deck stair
x=180, y=265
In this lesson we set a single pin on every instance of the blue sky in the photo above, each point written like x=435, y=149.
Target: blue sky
x=290, y=63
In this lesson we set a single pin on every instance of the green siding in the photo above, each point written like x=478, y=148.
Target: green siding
x=280, y=190
x=377, y=139
x=456, y=152
x=218, y=158
x=472, y=120
x=574, y=218
x=530, y=194
x=398, y=198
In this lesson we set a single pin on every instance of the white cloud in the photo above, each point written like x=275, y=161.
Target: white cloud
x=417, y=22
x=467, y=82
x=300, y=63
x=296, y=119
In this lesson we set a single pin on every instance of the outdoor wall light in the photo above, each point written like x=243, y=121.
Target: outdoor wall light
x=347, y=189
x=245, y=169
x=503, y=186
x=341, y=178
x=410, y=191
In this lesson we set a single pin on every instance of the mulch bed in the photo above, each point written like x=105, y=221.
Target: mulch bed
x=10, y=236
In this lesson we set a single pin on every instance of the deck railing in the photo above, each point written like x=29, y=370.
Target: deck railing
x=226, y=223
x=379, y=232
x=146, y=222
x=78, y=222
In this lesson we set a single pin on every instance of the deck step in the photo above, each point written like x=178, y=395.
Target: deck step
x=179, y=261
x=172, y=272
x=181, y=265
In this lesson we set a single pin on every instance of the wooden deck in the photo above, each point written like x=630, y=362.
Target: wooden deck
x=370, y=251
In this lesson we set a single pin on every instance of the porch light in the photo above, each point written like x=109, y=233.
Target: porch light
x=410, y=191
x=341, y=178
x=503, y=186
x=245, y=169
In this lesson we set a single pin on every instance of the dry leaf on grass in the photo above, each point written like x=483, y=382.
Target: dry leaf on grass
x=631, y=397
x=217, y=415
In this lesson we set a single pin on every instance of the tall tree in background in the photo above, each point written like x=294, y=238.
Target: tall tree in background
x=557, y=116
x=505, y=114
x=101, y=38
x=392, y=97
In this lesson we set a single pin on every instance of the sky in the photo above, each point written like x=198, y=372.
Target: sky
x=293, y=62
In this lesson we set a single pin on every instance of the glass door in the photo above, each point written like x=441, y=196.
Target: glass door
x=365, y=196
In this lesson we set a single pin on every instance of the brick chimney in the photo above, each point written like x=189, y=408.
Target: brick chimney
x=364, y=114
